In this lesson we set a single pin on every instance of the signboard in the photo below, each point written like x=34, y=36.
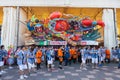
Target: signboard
x=58, y=42
x=43, y=43
x=89, y=43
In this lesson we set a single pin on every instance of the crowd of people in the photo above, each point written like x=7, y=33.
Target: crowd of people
x=29, y=58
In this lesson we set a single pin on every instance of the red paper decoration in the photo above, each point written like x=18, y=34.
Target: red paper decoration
x=61, y=25
x=55, y=15
x=87, y=22
x=101, y=23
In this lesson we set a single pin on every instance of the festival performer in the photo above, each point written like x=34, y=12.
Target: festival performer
x=35, y=49
x=43, y=53
x=71, y=55
x=31, y=60
x=119, y=57
x=103, y=54
x=60, y=56
x=49, y=59
x=3, y=55
x=26, y=71
x=52, y=53
x=94, y=52
x=100, y=56
x=89, y=56
x=74, y=55
x=116, y=53
x=10, y=57
x=107, y=57
x=79, y=55
x=83, y=54
x=20, y=62
x=38, y=58
x=67, y=55
x=46, y=52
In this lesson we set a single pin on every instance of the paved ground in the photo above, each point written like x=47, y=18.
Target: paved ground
x=106, y=72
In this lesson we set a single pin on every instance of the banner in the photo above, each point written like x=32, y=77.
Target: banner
x=58, y=42
x=43, y=43
x=89, y=43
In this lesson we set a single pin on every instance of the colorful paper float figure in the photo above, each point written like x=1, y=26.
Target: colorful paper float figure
x=100, y=23
x=86, y=22
x=57, y=25
x=74, y=25
x=55, y=15
x=38, y=26
x=30, y=26
x=46, y=21
x=61, y=25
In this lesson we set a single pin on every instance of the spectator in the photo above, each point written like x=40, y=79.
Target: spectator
x=3, y=55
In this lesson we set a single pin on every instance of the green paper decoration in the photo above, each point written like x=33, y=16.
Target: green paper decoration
x=33, y=18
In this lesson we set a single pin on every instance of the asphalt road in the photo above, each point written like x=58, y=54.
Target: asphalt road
x=73, y=72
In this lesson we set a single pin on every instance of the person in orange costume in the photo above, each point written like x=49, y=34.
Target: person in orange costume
x=60, y=56
x=38, y=58
x=74, y=55
x=107, y=51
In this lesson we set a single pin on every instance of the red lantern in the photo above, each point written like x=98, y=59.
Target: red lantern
x=61, y=25
x=86, y=22
x=101, y=23
x=55, y=15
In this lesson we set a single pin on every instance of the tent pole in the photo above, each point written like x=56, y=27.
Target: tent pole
x=17, y=23
x=115, y=24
